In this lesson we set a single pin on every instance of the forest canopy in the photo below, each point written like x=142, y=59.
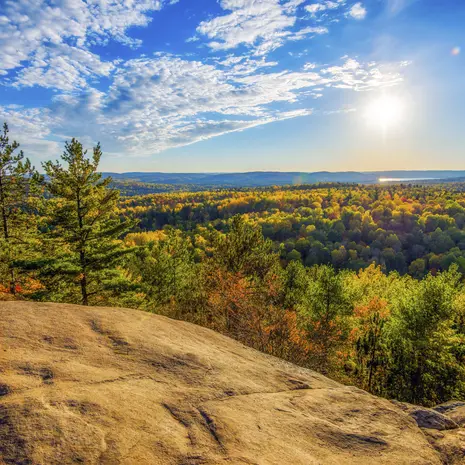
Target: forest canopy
x=409, y=229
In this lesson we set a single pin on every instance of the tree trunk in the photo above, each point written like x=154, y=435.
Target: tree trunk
x=12, y=281
x=82, y=254
x=85, y=297
x=6, y=236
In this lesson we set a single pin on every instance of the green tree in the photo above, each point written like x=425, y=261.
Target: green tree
x=17, y=180
x=85, y=226
x=294, y=255
x=370, y=348
x=244, y=250
x=324, y=313
x=427, y=359
x=441, y=241
x=295, y=285
x=168, y=273
x=417, y=268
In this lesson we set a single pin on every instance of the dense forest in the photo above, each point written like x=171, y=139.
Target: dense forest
x=364, y=284
x=409, y=229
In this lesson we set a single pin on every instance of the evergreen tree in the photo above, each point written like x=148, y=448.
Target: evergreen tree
x=17, y=179
x=244, y=250
x=324, y=313
x=84, y=223
x=427, y=356
x=295, y=285
x=168, y=274
x=369, y=345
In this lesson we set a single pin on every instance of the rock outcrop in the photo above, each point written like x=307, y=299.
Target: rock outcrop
x=115, y=386
x=429, y=418
x=455, y=410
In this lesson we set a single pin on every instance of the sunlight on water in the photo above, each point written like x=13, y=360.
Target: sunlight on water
x=404, y=179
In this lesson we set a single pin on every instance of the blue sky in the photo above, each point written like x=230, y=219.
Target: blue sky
x=238, y=85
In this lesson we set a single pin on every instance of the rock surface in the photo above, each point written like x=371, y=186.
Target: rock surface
x=428, y=418
x=115, y=386
x=455, y=410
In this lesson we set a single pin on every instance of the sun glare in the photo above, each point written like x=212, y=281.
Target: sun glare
x=385, y=112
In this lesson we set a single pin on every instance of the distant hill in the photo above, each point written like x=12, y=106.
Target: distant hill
x=270, y=178
x=104, y=386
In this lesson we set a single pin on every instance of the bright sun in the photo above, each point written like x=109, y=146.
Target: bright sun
x=385, y=112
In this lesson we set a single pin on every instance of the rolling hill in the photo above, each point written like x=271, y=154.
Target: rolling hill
x=269, y=178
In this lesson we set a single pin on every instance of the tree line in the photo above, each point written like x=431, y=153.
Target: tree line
x=67, y=236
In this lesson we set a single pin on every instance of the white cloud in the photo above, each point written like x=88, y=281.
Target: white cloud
x=165, y=102
x=261, y=24
x=302, y=33
x=265, y=25
x=309, y=66
x=62, y=67
x=35, y=122
x=35, y=33
x=358, y=11
x=355, y=76
x=161, y=101
x=30, y=127
x=319, y=7
x=244, y=65
x=315, y=7
x=201, y=129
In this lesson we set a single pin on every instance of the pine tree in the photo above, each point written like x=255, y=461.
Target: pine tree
x=167, y=270
x=426, y=353
x=244, y=250
x=324, y=313
x=17, y=179
x=84, y=223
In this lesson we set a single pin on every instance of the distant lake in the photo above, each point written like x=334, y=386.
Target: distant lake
x=404, y=179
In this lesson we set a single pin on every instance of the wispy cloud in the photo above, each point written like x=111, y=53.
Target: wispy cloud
x=358, y=11
x=315, y=8
x=163, y=102
x=155, y=102
x=262, y=24
x=33, y=122
x=50, y=41
x=396, y=6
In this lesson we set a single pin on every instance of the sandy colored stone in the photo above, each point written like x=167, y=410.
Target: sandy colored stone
x=116, y=386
